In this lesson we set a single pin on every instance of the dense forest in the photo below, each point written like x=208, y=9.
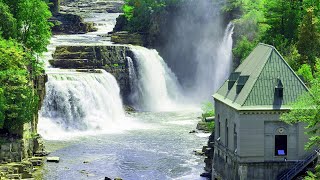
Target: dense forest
x=24, y=35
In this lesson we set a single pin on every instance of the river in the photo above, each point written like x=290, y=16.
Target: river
x=159, y=148
x=94, y=142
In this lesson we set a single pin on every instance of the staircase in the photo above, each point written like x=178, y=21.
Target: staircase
x=298, y=167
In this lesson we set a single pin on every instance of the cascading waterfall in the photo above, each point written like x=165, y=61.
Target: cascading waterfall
x=214, y=70
x=223, y=64
x=81, y=102
x=154, y=86
x=134, y=96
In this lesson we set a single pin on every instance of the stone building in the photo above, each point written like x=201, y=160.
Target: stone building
x=250, y=140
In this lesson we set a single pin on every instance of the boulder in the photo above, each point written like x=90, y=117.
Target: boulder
x=64, y=23
x=53, y=159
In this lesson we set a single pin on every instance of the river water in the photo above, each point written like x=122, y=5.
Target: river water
x=94, y=144
x=161, y=148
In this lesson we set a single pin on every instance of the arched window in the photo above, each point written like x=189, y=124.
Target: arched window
x=227, y=133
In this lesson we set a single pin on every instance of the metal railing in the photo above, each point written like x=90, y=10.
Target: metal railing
x=298, y=167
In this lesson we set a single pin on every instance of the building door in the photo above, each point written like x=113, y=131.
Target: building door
x=280, y=147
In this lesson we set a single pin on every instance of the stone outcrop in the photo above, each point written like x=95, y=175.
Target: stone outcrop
x=26, y=169
x=25, y=142
x=93, y=6
x=123, y=37
x=70, y=24
x=111, y=58
x=17, y=149
x=208, y=151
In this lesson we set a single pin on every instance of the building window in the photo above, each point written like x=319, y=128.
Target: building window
x=227, y=133
x=235, y=137
x=219, y=127
x=280, y=148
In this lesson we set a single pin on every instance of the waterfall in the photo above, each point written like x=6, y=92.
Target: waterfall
x=154, y=86
x=80, y=102
x=215, y=68
x=223, y=64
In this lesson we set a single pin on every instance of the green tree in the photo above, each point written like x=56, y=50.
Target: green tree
x=2, y=106
x=18, y=101
x=306, y=72
x=8, y=23
x=307, y=110
x=309, y=38
x=33, y=23
x=140, y=12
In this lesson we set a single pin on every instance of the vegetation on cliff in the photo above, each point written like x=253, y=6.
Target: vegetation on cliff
x=24, y=34
x=291, y=26
x=138, y=13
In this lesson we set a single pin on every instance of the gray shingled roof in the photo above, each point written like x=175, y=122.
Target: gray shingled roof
x=256, y=80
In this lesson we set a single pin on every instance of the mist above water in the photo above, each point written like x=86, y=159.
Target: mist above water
x=198, y=47
x=82, y=102
x=154, y=86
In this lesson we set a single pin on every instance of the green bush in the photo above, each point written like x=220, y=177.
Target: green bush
x=207, y=110
x=18, y=101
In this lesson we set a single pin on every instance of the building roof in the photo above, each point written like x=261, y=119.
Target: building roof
x=264, y=81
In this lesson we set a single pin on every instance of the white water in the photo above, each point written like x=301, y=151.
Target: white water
x=82, y=103
x=215, y=68
x=77, y=102
x=223, y=64
x=154, y=85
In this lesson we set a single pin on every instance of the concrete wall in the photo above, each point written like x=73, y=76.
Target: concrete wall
x=225, y=113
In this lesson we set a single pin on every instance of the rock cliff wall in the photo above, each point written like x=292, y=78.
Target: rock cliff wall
x=110, y=58
x=25, y=142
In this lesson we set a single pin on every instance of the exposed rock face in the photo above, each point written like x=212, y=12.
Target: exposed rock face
x=124, y=37
x=110, y=58
x=82, y=6
x=70, y=24
x=25, y=142
x=209, y=155
x=54, y=6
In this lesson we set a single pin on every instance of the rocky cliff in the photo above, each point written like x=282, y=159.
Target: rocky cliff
x=17, y=150
x=111, y=58
x=25, y=142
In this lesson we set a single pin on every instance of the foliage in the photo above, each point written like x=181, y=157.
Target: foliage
x=27, y=22
x=17, y=99
x=128, y=11
x=243, y=48
x=307, y=110
x=309, y=38
x=313, y=176
x=291, y=26
x=210, y=126
x=2, y=103
x=33, y=18
x=207, y=109
x=8, y=24
x=306, y=72
x=139, y=13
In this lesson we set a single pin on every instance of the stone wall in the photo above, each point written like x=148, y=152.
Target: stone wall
x=111, y=58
